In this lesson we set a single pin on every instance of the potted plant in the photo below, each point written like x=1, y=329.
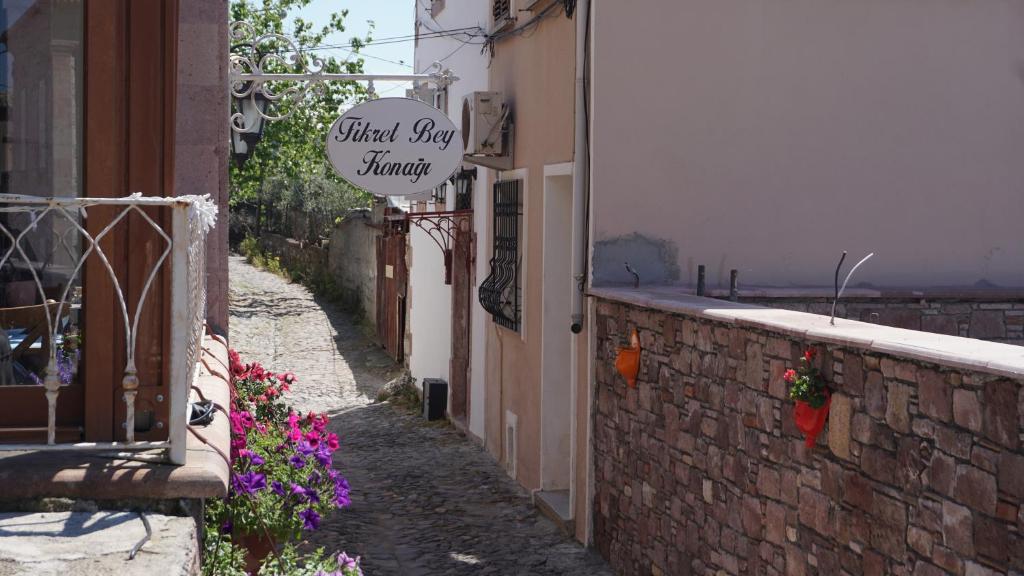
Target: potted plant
x=282, y=477
x=807, y=388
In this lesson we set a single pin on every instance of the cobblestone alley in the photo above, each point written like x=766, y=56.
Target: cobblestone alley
x=425, y=499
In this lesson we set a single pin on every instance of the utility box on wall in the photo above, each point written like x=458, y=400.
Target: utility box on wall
x=435, y=398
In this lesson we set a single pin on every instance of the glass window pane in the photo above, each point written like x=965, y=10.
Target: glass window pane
x=41, y=89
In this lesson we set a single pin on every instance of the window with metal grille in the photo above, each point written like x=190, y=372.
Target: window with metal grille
x=501, y=293
x=502, y=11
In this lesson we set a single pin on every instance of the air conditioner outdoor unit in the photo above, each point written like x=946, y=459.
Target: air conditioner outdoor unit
x=483, y=114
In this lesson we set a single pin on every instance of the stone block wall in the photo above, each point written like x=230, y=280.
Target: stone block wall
x=700, y=469
x=999, y=319
x=294, y=255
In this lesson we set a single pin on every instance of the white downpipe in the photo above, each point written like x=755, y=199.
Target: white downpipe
x=580, y=169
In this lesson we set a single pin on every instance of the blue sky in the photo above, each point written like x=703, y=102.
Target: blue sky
x=393, y=18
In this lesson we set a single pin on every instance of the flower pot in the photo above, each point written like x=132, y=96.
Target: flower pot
x=627, y=361
x=811, y=421
x=257, y=548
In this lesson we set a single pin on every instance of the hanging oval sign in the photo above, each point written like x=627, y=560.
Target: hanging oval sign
x=395, y=146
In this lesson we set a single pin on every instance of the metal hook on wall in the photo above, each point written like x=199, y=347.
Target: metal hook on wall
x=839, y=291
x=636, y=276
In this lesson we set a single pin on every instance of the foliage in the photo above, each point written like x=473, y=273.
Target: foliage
x=805, y=383
x=221, y=557
x=250, y=248
x=289, y=562
x=282, y=479
x=307, y=208
x=291, y=157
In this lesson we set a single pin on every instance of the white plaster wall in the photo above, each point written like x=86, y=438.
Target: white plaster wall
x=769, y=136
x=426, y=274
x=430, y=309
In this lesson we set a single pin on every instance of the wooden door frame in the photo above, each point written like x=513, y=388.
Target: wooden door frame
x=116, y=64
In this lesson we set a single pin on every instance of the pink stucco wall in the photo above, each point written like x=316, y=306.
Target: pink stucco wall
x=770, y=136
x=202, y=138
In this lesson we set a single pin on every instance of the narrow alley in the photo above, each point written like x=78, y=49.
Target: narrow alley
x=425, y=499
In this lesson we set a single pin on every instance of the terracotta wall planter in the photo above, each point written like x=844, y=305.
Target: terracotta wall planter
x=627, y=361
x=811, y=421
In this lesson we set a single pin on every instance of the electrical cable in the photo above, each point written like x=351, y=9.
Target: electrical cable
x=149, y=534
x=479, y=33
x=519, y=30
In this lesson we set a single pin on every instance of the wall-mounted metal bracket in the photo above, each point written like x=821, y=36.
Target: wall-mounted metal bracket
x=441, y=227
x=253, y=55
x=506, y=162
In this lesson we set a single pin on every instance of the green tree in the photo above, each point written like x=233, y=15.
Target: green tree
x=291, y=155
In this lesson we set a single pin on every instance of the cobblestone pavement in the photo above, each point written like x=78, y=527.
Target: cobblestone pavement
x=426, y=501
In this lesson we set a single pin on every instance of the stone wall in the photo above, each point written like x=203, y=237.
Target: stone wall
x=295, y=256
x=352, y=261
x=995, y=319
x=201, y=134
x=700, y=469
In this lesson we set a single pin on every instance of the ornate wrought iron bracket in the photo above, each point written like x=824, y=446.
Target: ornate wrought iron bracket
x=254, y=75
x=442, y=228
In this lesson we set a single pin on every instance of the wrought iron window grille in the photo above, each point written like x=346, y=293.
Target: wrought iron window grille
x=500, y=293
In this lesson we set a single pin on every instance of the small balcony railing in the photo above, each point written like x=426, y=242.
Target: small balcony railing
x=182, y=252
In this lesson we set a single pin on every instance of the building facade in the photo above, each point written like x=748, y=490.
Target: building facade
x=438, y=348
x=770, y=138
x=110, y=110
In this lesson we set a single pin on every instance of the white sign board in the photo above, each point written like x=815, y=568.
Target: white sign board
x=395, y=146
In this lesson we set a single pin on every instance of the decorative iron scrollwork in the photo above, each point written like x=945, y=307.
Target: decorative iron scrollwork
x=500, y=293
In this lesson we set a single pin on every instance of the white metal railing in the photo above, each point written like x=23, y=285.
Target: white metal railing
x=184, y=251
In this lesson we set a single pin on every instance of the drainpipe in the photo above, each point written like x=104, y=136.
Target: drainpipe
x=580, y=169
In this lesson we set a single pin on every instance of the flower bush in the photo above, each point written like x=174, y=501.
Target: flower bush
x=805, y=383
x=282, y=484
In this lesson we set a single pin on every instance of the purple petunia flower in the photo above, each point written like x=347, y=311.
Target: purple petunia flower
x=305, y=448
x=323, y=455
x=277, y=488
x=346, y=562
x=227, y=527
x=298, y=461
x=310, y=519
x=249, y=483
x=300, y=493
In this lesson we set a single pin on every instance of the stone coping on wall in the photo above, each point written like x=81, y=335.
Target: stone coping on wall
x=966, y=293
x=954, y=351
x=91, y=476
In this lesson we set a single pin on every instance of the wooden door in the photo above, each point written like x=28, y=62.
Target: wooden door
x=462, y=299
x=392, y=289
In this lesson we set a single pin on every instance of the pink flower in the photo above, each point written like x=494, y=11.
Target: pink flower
x=332, y=441
x=789, y=376
x=313, y=438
